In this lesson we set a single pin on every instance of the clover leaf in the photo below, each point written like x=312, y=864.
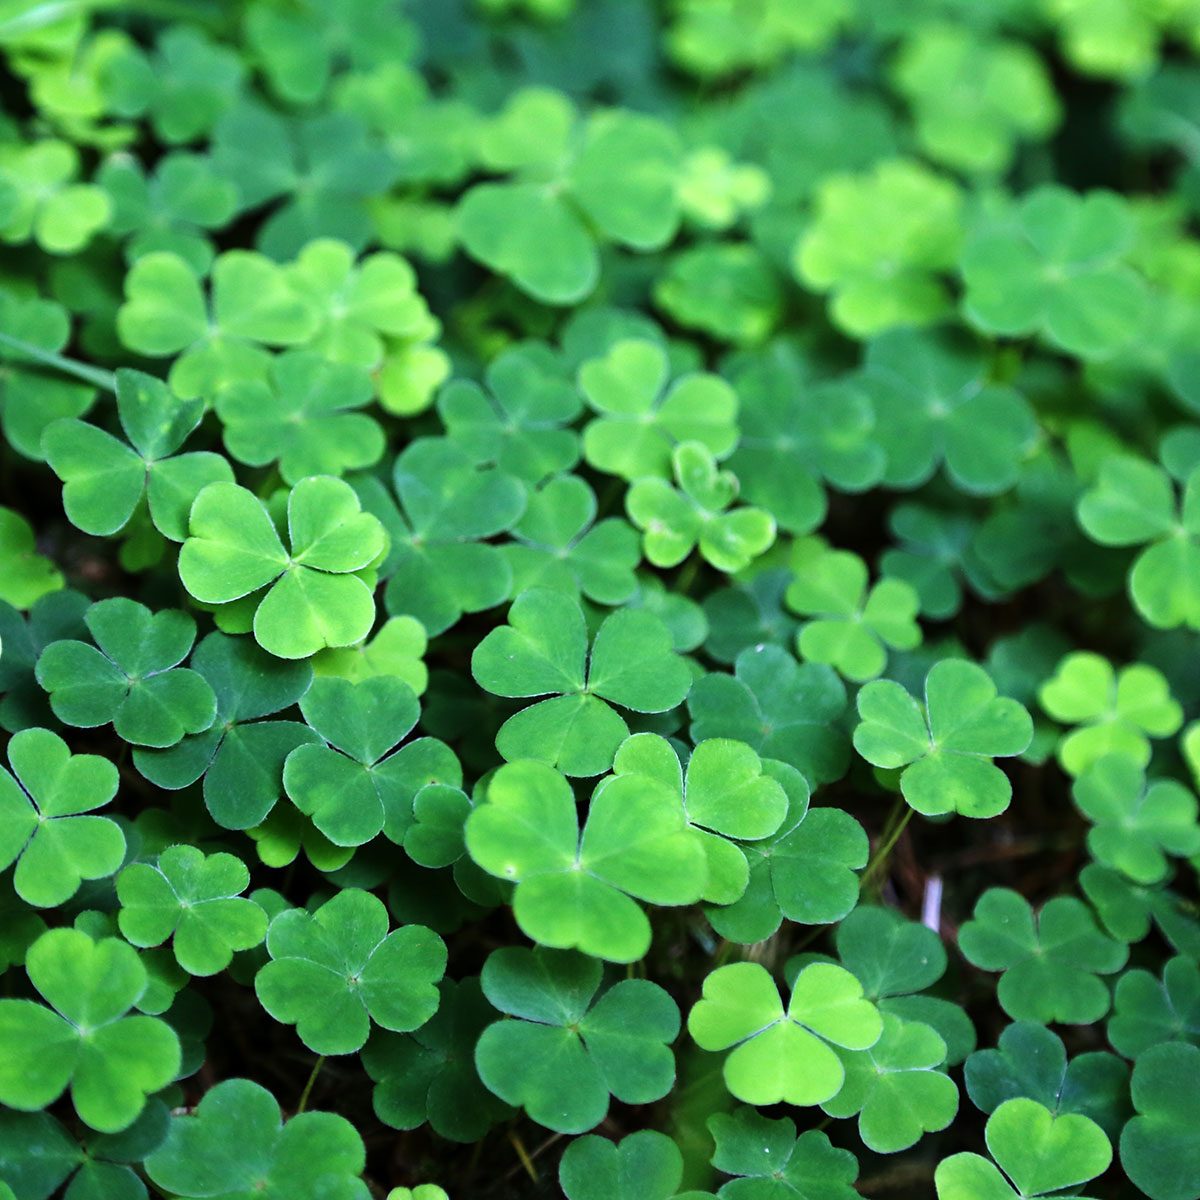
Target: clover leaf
x=947, y=747
x=697, y=512
x=543, y=650
x=643, y=1166
x=46, y=829
x=576, y=889
x=783, y=1056
x=564, y=1051
x=359, y=784
x=932, y=555
x=520, y=420
x=935, y=404
x=41, y=200
x=895, y=1087
x=771, y=1162
x=196, y=899
x=104, y=479
x=1055, y=265
x=643, y=416
x=133, y=678
x=1158, y=1147
x=748, y=614
x=240, y=756
x=1029, y=1060
x=851, y=625
x=878, y=242
x=235, y=1144
x=559, y=544
x=1117, y=712
x=302, y=417
x=335, y=971
x=429, y=1075
x=443, y=566
x=1135, y=825
x=84, y=1040
x=397, y=649
x=1039, y=1152
x=1051, y=964
x=25, y=575
x=1147, y=1011
x=1133, y=503
x=309, y=598
x=53, y=617
x=783, y=709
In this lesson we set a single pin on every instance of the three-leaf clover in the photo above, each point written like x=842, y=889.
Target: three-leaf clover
x=543, y=650
x=196, y=898
x=236, y=1145
x=47, y=829
x=1158, y=1147
x=104, y=479
x=336, y=970
x=1147, y=1011
x=645, y=1165
x=41, y=200
x=84, y=1040
x=25, y=575
x=783, y=1055
x=851, y=626
x=698, y=512
x=304, y=599
x=1039, y=1152
x=1117, y=711
x=133, y=678
x=1051, y=964
x=565, y=1051
x=946, y=747
x=575, y=888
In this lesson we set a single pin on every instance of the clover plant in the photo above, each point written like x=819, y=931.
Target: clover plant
x=598, y=598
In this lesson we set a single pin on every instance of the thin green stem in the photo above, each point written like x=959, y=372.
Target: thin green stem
x=881, y=855
x=308, y=1087
x=96, y=376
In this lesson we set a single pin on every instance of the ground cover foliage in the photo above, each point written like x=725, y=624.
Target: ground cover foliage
x=599, y=598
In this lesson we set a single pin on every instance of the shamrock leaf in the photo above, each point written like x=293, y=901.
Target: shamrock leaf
x=309, y=598
x=1135, y=825
x=25, y=576
x=335, y=971
x=1055, y=265
x=947, y=747
x=397, y=649
x=1147, y=1011
x=895, y=1087
x=935, y=405
x=241, y=756
x=748, y=614
x=576, y=889
x=643, y=1166
x=302, y=418
x=852, y=626
x=443, y=567
x=878, y=242
x=1038, y=1151
x=933, y=551
x=355, y=786
x=796, y=432
x=1158, y=1147
x=133, y=679
x=104, y=479
x=55, y=616
x=236, y=1145
x=1118, y=712
x=772, y=1163
x=559, y=544
x=1127, y=910
x=697, y=512
x=565, y=1052
x=84, y=1040
x=197, y=899
x=54, y=846
x=641, y=419
x=543, y=650
x=1050, y=964
x=1029, y=1060
x=429, y=1075
x=219, y=341
x=783, y=1056
x=40, y=200
x=520, y=422
x=1133, y=503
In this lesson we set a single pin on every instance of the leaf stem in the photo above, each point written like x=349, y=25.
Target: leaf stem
x=96, y=376
x=881, y=855
x=308, y=1087
x=523, y=1155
